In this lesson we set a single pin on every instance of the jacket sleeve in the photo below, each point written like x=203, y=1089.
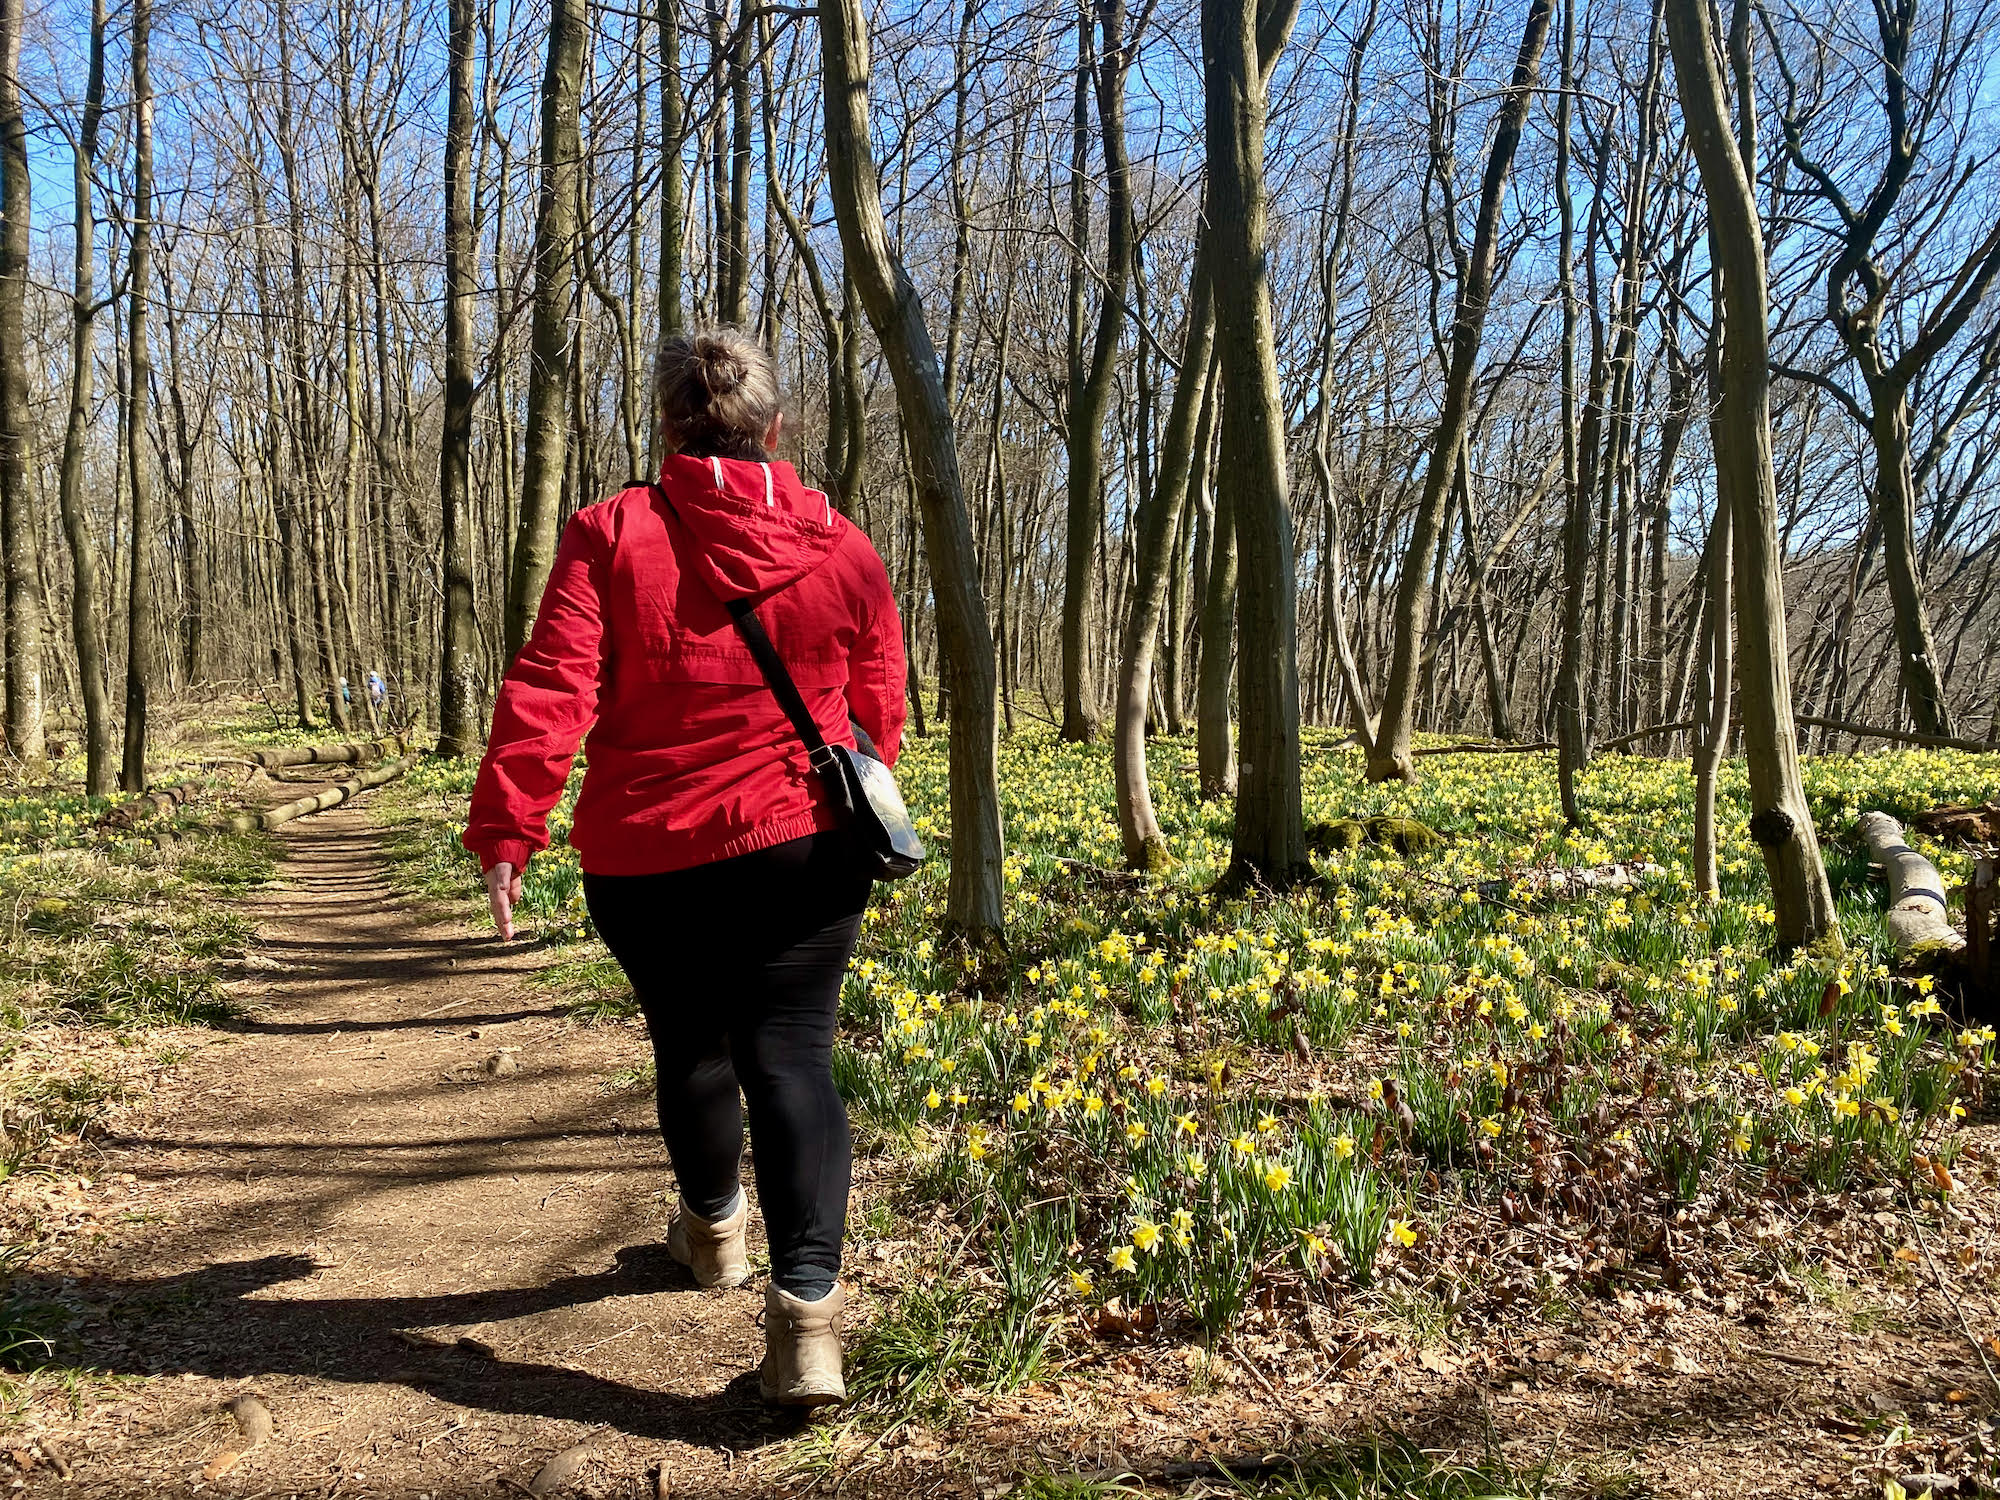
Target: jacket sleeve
x=545, y=705
x=875, y=670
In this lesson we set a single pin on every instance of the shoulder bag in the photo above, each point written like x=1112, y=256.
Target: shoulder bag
x=858, y=783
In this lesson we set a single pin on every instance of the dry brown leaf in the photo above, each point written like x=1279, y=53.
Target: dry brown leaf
x=561, y=1468
x=1113, y=1321
x=221, y=1464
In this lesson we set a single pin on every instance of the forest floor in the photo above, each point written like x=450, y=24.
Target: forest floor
x=417, y=1211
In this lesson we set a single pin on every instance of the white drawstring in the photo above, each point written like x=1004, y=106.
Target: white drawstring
x=769, y=498
x=716, y=465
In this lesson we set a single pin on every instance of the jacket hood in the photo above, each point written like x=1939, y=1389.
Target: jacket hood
x=756, y=528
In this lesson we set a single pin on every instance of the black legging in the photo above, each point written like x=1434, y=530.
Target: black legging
x=737, y=966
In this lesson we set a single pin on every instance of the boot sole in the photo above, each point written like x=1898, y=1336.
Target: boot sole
x=803, y=1398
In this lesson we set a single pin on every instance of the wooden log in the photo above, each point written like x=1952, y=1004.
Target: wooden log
x=159, y=800
x=361, y=752
x=1901, y=736
x=1918, y=920
x=1639, y=734
x=1485, y=747
x=320, y=801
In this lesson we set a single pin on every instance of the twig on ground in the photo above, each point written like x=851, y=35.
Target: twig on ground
x=1958, y=1312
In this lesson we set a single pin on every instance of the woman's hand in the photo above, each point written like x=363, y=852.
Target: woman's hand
x=503, y=889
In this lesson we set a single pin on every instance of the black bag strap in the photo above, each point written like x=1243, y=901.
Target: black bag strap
x=818, y=752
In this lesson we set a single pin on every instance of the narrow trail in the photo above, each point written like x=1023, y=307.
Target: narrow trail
x=435, y=1274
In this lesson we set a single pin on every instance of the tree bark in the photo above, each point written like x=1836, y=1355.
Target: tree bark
x=1390, y=757
x=1781, y=820
x=1713, y=675
x=1573, y=752
x=973, y=898
x=1157, y=524
x=140, y=647
x=673, y=207
x=1214, y=731
x=86, y=583
x=734, y=299
x=1090, y=397
x=1498, y=707
x=458, y=671
x=1268, y=847
x=25, y=740
x=549, y=361
x=1896, y=504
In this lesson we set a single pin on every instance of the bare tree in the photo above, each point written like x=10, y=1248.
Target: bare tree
x=973, y=897
x=141, y=645
x=17, y=515
x=86, y=587
x=1237, y=36
x=1090, y=389
x=1781, y=821
x=1390, y=755
x=458, y=704
x=1893, y=306
x=550, y=369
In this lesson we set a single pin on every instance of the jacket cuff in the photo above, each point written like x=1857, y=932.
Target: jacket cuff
x=514, y=852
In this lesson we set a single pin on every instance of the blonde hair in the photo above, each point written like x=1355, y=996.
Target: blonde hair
x=716, y=394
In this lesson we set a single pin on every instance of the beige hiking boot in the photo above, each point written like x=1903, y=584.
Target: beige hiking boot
x=712, y=1249
x=802, y=1349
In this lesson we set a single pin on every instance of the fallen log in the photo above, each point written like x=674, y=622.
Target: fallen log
x=359, y=752
x=1485, y=747
x=128, y=815
x=1918, y=921
x=1646, y=733
x=1901, y=736
x=320, y=801
x=1550, y=880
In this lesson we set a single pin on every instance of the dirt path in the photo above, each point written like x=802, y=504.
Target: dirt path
x=435, y=1275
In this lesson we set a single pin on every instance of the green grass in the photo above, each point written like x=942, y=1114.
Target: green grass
x=104, y=938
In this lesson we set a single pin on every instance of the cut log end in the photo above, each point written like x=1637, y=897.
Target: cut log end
x=1918, y=921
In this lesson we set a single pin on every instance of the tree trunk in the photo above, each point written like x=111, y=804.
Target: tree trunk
x=1573, y=752
x=1781, y=820
x=673, y=134
x=1497, y=705
x=1390, y=757
x=1214, y=733
x=140, y=650
x=973, y=899
x=1712, y=681
x=86, y=585
x=1896, y=505
x=458, y=670
x=25, y=740
x=734, y=303
x=1090, y=396
x=549, y=361
x=1158, y=523
x=1268, y=847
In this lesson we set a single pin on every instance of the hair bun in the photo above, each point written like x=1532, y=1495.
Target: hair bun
x=723, y=370
x=717, y=394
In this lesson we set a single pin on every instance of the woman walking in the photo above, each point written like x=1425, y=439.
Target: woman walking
x=714, y=867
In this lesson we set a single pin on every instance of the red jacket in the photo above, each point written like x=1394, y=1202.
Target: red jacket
x=691, y=759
